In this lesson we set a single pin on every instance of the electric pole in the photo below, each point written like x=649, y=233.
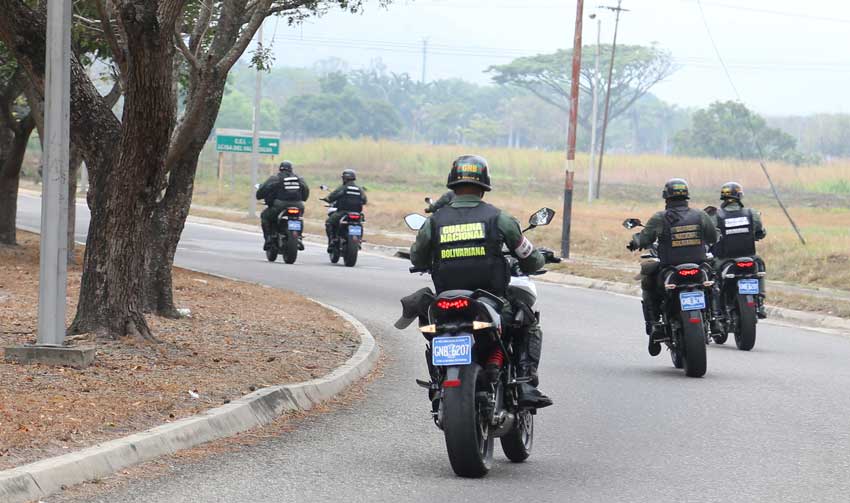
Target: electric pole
x=616, y=9
x=255, y=142
x=424, y=58
x=571, y=133
x=591, y=173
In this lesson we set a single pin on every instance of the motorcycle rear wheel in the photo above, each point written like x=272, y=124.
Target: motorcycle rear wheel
x=351, y=249
x=518, y=442
x=693, y=342
x=745, y=335
x=469, y=441
x=290, y=249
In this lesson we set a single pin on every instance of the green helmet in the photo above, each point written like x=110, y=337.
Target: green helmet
x=731, y=190
x=676, y=188
x=469, y=169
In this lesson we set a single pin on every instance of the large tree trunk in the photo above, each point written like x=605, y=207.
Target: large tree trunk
x=13, y=147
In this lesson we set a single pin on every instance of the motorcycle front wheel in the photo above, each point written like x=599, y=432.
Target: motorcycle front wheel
x=334, y=254
x=518, y=442
x=469, y=441
x=271, y=254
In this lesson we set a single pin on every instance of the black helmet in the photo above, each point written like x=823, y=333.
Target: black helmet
x=285, y=166
x=349, y=175
x=731, y=190
x=471, y=169
x=676, y=188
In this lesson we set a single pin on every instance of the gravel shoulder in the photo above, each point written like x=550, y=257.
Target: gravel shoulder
x=238, y=338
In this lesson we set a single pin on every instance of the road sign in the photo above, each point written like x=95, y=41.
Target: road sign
x=241, y=141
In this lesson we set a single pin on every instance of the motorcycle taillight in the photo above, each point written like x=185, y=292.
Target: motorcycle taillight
x=293, y=211
x=453, y=304
x=745, y=265
x=354, y=216
x=688, y=273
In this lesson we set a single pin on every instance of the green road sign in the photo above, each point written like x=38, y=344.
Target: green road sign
x=241, y=141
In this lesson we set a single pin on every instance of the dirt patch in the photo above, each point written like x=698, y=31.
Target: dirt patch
x=240, y=337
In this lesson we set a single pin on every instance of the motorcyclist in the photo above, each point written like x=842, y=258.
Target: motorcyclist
x=283, y=190
x=444, y=200
x=345, y=198
x=482, y=264
x=682, y=234
x=739, y=228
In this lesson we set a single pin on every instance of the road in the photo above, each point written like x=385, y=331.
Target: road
x=769, y=425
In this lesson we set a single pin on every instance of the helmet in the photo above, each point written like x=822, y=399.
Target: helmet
x=731, y=190
x=349, y=175
x=469, y=169
x=676, y=188
x=285, y=166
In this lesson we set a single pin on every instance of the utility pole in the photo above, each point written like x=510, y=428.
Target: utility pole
x=616, y=9
x=571, y=133
x=424, y=58
x=255, y=142
x=591, y=172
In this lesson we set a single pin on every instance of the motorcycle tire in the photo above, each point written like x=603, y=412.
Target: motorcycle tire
x=469, y=439
x=351, y=249
x=693, y=342
x=676, y=357
x=518, y=442
x=271, y=254
x=290, y=249
x=334, y=254
x=745, y=335
x=721, y=338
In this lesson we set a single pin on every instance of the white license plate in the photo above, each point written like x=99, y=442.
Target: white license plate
x=692, y=301
x=748, y=286
x=447, y=351
x=355, y=230
x=295, y=225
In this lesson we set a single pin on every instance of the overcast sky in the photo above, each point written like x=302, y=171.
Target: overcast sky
x=785, y=57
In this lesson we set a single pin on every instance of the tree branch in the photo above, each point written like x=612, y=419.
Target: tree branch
x=232, y=56
x=114, y=94
x=201, y=26
x=187, y=53
x=118, y=54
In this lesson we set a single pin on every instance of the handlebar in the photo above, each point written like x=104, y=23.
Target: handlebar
x=422, y=270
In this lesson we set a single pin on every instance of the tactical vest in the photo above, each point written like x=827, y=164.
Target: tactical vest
x=467, y=250
x=737, y=233
x=290, y=190
x=682, y=240
x=351, y=199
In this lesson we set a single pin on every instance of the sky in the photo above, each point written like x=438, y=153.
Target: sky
x=784, y=57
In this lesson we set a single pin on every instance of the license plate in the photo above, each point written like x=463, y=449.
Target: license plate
x=692, y=301
x=748, y=286
x=355, y=230
x=451, y=350
x=295, y=225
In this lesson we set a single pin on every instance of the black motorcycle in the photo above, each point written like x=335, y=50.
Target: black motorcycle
x=685, y=312
x=472, y=366
x=348, y=238
x=286, y=235
x=738, y=285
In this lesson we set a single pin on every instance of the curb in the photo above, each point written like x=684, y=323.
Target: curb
x=43, y=478
x=779, y=315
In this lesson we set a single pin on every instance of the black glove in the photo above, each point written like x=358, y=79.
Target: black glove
x=549, y=256
x=632, y=246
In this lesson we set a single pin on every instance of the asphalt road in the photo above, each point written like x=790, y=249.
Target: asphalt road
x=770, y=425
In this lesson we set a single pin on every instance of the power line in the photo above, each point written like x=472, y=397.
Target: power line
x=749, y=123
x=795, y=15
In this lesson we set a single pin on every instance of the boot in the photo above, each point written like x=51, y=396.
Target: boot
x=529, y=358
x=329, y=232
x=653, y=329
x=300, y=243
x=717, y=316
x=761, y=311
x=267, y=235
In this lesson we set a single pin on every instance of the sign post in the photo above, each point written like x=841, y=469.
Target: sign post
x=241, y=141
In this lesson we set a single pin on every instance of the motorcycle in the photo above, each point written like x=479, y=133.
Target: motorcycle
x=685, y=313
x=473, y=386
x=348, y=238
x=286, y=235
x=738, y=291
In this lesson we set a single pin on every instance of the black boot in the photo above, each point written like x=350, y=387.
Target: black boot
x=653, y=329
x=761, y=311
x=529, y=358
x=267, y=235
x=300, y=243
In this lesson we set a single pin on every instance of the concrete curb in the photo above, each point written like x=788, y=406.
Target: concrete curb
x=775, y=314
x=43, y=478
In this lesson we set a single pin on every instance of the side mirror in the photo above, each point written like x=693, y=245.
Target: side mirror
x=256, y=186
x=429, y=200
x=631, y=223
x=415, y=221
x=543, y=216
x=323, y=187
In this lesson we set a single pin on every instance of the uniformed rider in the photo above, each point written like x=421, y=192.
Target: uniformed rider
x=473, y=259
x=682, y=234
x=283, y=190
x=739, y=228
x=348, y=197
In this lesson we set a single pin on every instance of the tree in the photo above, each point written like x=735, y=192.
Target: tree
x=730, y=129
x=142, y=167
x=636, y=70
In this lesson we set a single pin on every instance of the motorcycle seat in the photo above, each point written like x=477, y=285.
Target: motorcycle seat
x=451, y=294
